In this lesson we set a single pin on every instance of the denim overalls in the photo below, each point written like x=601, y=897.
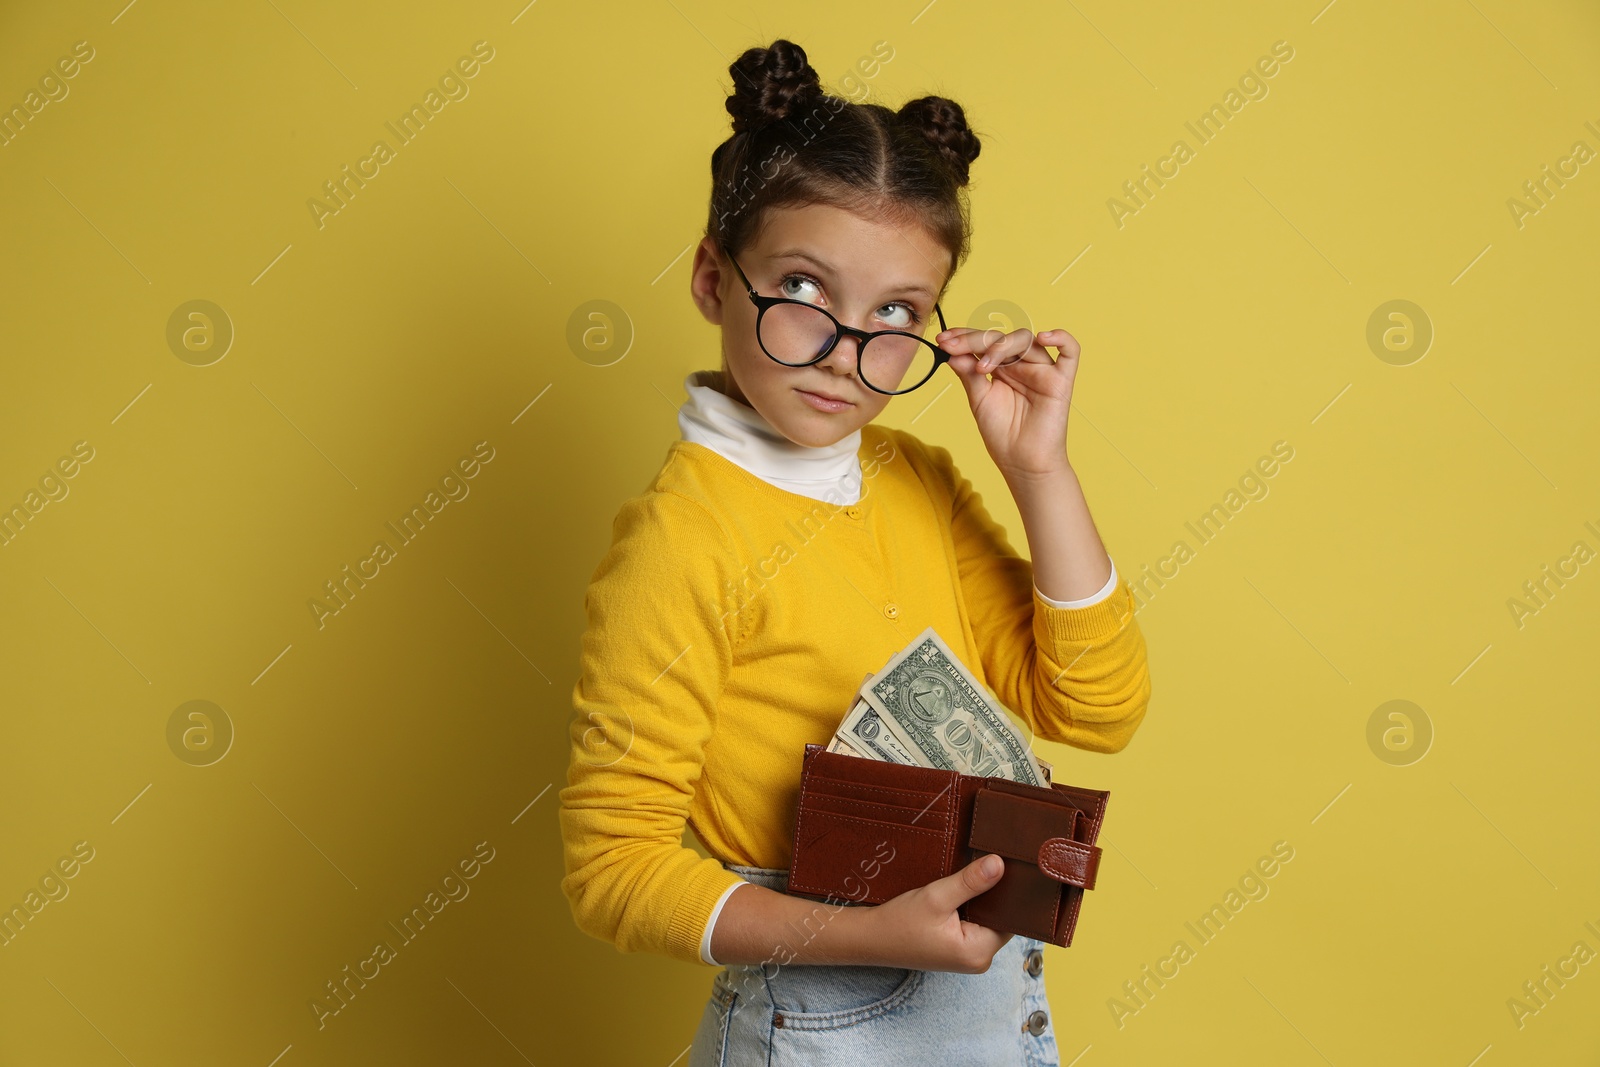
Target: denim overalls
x=808, y=1015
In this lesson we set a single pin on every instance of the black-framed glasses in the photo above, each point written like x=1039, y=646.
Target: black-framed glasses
x=798, y=334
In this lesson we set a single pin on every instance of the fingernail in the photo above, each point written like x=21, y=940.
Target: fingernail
x=992, y=865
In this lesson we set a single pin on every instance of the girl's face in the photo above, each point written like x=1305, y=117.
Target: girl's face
x=871, y=273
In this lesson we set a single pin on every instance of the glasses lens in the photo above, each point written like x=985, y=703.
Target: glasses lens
x=894, y=362
x=795, y=334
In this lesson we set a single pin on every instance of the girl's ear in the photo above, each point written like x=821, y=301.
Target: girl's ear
x=707, y=278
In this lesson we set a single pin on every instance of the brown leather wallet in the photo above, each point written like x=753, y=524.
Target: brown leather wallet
x=867, y=831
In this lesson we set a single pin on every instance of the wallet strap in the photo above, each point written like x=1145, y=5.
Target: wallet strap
x=1069, y=861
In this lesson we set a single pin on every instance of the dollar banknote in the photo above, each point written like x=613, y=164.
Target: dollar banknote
x=839, y=744
x=866, y=732
x=925, y=696
x=925, y=708
x=862, y=733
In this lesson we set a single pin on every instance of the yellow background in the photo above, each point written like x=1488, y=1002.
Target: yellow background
x=372, y=754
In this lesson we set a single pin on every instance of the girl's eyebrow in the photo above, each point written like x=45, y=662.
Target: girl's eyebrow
x=824, y=267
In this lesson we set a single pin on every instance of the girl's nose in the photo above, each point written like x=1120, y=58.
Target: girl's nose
x=842, y=360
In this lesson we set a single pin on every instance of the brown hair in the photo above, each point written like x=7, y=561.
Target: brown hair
x=793, y=143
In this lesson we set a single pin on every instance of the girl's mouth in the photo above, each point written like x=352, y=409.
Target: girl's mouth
x=822, y=403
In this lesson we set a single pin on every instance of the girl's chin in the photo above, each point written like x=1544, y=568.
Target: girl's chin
x=819, y=431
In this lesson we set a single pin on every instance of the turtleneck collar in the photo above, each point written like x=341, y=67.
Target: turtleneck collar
x=743, y=436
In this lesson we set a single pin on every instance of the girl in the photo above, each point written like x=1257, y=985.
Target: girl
x=789, y=546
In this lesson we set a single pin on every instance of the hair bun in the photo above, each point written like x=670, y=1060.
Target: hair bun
x=770, y=84
x=944, y=125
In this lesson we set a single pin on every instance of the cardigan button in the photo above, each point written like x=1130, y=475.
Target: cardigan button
x=1035, y=962
x=853, y=511
x=1036, y=1023
x=892, y=610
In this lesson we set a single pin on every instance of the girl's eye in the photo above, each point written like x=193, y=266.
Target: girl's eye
x=794, y=286
x=898, y=317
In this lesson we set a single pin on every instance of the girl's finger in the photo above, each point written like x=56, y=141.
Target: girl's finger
x=977, y=342
x=1060, y=339
x=960, y=339
x=1003, y=346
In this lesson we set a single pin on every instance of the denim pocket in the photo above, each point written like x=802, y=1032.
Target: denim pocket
x=710, y=1045
x=831, y=997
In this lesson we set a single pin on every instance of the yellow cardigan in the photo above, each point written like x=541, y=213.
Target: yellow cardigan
x=732, y=621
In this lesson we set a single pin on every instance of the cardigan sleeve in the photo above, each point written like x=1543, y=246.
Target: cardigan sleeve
x=1078, y=676
x=1092, y=598
x=655, y=657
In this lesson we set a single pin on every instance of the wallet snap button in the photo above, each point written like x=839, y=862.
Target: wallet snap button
x=1036, y=1023
x=1035, y=962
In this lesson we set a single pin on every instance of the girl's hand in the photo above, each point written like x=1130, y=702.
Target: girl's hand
x=1022, y=409
x=921, y=929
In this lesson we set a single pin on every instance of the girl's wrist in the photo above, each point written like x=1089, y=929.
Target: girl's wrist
x=848, y=936
x=766, y=927
x=1040, y=482
x=864, y=940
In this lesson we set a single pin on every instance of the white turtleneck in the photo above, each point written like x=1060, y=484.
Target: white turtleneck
x=743, y=436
